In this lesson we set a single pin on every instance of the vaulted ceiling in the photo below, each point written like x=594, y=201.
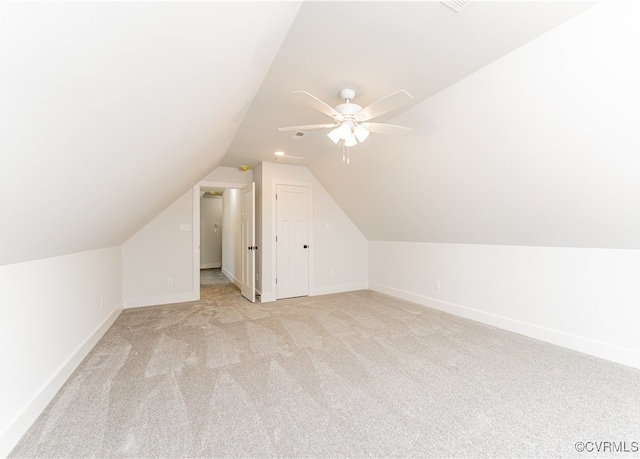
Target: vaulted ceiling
x=377, y=48
x=111, y=110
x=538, y=148
x=523, y=119
x=103, y=102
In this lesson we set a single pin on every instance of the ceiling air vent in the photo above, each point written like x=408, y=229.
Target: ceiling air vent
x=298, y=135
x=455, y=5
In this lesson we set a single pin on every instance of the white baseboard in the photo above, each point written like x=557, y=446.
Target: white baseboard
x=210, y=265
x=606, y=351
x=326, y=290
x=160, y=299
x=231, y=277
x=21, y=423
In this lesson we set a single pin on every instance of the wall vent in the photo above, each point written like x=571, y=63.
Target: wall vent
x=455, y=5
x=298, y=135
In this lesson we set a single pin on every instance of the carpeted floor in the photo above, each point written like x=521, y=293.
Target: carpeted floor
x=357, y=374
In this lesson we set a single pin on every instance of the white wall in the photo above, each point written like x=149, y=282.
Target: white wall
x=159, y=251
x=210, y=232
x=583, y=299
x=231, y=249
x=337, y=246
x=52, y=313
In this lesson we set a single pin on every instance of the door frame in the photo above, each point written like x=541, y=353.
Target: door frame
x=196, y=225
x=248, y=243
x=274, y=229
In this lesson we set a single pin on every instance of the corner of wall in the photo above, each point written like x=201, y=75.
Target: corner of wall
x=160, y=263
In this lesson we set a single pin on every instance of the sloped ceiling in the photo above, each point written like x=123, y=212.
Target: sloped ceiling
x=103, y=102
x=539, y=148
x=377, y=48
x=524, y=118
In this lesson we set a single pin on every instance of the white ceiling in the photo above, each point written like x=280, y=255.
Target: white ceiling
x=377, y=48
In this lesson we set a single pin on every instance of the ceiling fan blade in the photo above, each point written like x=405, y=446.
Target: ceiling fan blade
x=384, y=105
x=308, y=126
x=388, y=129
x=318, y=104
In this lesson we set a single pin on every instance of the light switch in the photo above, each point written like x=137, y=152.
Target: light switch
x=185, y=227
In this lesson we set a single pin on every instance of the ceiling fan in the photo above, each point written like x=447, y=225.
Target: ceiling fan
x=351, y=124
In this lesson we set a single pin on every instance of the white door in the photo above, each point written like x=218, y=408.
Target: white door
x=248, y=241
x=292, y=241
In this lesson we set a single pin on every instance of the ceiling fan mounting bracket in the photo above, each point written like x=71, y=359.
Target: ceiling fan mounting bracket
x=347, y=94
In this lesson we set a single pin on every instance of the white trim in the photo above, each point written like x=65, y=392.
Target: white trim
x=211, y=184
x=328, y=289
x=210, y=265
x=21, y=423
x=231, y=277
x=606, y=351
x=195, y=224
x=274, y=230
x=268, y=298
x=141, y=302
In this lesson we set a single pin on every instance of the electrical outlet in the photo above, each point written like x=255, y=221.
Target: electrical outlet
x=438, y=285
x=331, y=273
x=257, y=277
x=170, y=281
x=101, y=303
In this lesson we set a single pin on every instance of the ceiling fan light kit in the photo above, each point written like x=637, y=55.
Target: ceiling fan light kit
x=334, y=136
x=349, y=125
x=361, y=133
x=346, y=132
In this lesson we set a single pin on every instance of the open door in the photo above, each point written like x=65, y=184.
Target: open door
x=248, y=241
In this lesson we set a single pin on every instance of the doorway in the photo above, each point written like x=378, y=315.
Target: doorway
x=210, y=230
x=228, y=230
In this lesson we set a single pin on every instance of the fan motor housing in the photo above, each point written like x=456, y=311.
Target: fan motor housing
x=348, y=109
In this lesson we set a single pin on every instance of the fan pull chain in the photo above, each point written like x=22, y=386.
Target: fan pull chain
x=345, y=154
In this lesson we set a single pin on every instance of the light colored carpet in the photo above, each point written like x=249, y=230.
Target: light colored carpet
x=357, y=374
